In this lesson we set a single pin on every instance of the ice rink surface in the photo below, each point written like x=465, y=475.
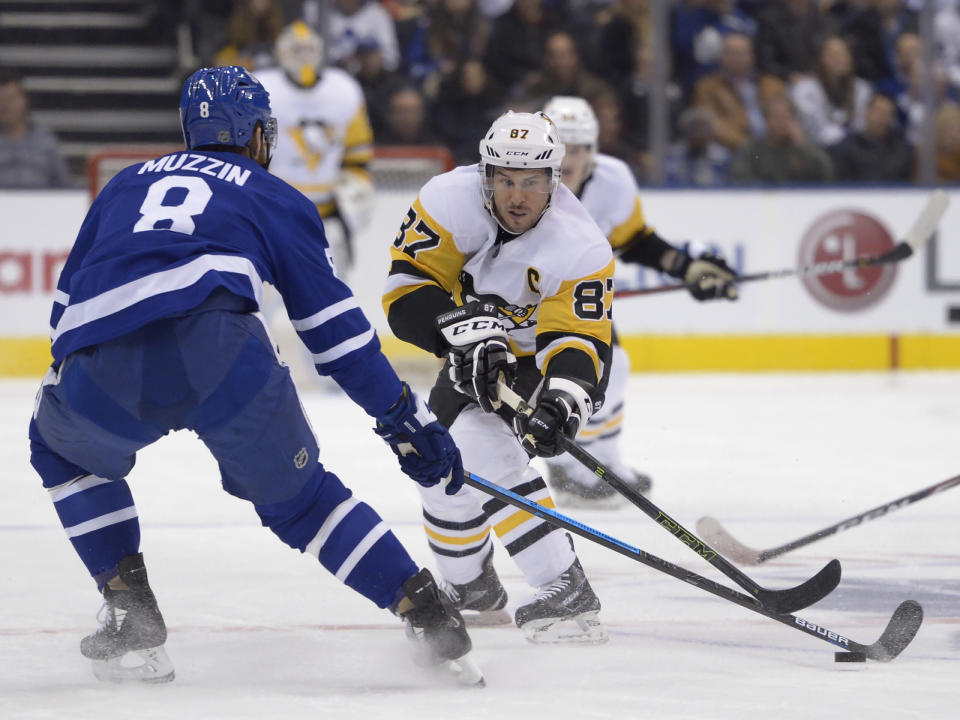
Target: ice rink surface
x=259, y=631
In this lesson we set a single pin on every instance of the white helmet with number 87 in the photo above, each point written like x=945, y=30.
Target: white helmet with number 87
x=520, y=141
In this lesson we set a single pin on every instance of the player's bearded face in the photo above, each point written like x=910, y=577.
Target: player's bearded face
x=576, y=166
x=520, y=196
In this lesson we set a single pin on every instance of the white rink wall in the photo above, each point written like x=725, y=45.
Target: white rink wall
x=755, y=230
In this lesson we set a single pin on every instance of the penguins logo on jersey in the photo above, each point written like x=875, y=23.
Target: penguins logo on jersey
x=521, y=317
x=312, y=138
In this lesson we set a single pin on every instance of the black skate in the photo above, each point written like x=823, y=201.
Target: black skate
x=438, y=629
x=132, y=623
x=484, y=595
x=571, y=491
x=565, y=610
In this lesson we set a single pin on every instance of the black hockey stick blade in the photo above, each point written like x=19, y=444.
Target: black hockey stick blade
x=805, y=594
x=899, y=633
x=779, y=601
x=900, y=630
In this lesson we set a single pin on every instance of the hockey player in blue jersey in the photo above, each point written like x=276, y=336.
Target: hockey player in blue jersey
x=155, y=327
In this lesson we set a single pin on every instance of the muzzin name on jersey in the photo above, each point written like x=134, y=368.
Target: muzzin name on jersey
x=190, y=162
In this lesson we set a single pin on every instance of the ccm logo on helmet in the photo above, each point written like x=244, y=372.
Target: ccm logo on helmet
x=520, y=153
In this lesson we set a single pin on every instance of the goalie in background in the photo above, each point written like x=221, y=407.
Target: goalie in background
x=498, y=269
x=609, y=192
x=326, y=145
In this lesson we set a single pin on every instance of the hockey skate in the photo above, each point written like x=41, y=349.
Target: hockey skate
x=565, y=610
x=573, y=488
x=484, y=596
x=131, y=626
x=438, y=630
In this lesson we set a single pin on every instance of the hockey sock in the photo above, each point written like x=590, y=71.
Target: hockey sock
x=540, y=551
x=101, y=521
x=346, y=535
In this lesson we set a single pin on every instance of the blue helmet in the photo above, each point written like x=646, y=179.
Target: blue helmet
x=222, y=105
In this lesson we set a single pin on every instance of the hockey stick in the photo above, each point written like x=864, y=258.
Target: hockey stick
x=900, y=630
x=923, y=227
x=779, y=601
x=711, y=528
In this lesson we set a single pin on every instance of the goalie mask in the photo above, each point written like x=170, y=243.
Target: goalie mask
x=521, y=141
x=299, y=51
x=579, y=132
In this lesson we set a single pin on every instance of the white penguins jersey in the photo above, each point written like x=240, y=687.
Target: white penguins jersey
x=553, y=284
x=611, y=196
x=320, y=129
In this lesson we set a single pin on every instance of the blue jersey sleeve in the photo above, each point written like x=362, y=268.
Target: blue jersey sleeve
x=327, y=316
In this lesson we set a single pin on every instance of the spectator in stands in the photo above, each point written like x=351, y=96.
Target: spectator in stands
x=783, y=155
x=788, y=35
x=562, y=72
x=946, y=29
x=467, y=104
x=878, y=154
x=29, y=155
x=377, y=82
x=735, y=95
x=912, y=104
x=697, y=32
x=252, y=31
x=618, y=40
x=406, y=116
x=635, y=101
x=907, y=55
x=948, y=143
x=350, y=22
x=834, y=102
x=520, y=36
x=458, y=32
x=611, y=133
x=697, y=159
x=872, y=32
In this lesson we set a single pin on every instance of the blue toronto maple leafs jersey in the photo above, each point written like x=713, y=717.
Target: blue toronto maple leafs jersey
x=164, y=234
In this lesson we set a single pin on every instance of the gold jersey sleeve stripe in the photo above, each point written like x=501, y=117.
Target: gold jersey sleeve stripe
x=359, y=133
x=429, y=247
x=628, y=229
x=569, y=311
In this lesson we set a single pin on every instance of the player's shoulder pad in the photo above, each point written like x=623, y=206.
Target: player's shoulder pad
x=453, y=197
x=614, y=172
x=585, y=248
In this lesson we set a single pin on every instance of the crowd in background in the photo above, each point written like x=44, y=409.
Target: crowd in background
x=776, y=91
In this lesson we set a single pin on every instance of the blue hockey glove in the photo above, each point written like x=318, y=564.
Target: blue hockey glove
x=563, y=406
x=426, y=452
x=706, y=276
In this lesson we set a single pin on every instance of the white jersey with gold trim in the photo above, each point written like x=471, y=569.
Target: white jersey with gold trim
x=612, y=198
x=320, y=130
x=555, y=280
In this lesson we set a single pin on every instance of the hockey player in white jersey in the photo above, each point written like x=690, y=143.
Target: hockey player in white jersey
x=498, y=269
x=326, y=142
x=609, y=192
